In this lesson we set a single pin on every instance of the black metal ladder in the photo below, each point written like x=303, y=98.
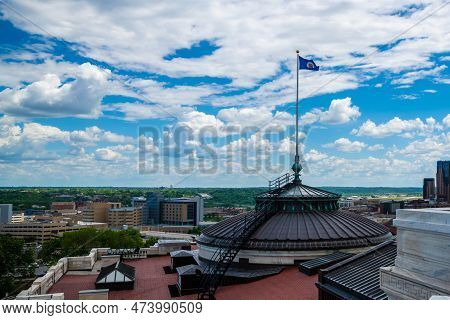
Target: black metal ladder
x=223, y=257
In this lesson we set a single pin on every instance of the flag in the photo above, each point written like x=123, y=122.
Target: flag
x=307, y=64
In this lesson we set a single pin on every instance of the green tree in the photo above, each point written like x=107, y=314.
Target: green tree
x=195, y=230
x=15, y=262
x=78, y=243
x=151, y=242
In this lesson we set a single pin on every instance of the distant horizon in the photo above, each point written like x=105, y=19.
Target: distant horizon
x=193, y=187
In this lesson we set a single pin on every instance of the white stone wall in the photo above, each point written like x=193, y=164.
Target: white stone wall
x=422, y=266
x=277, y=257
x=85, y=263
x=101, y=294
x=55, y=296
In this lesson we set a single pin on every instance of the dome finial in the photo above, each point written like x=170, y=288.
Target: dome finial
x=297, y=167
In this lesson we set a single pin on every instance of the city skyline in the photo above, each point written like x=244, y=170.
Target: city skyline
x=78, y=88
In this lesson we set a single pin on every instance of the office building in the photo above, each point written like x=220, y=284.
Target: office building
x=62, y=206
x=172, y=211
x=125, y=216
x=151, y=211
x=42, y=231
x=5, y=213
x=443, y=181
x=390, y=207
x=98, y=211
x=18, y=217
x=428, y=188
x=138, y=202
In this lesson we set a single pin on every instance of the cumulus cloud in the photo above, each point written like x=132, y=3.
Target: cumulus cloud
x=345, y=145
x=397, y=126
x=313, y=156
x=53, y=96
x=29, y=140
x=259, y=117
x=432, y=147
x=446, y=120
x=92, y=135
x=107, y=154
x=340, y=111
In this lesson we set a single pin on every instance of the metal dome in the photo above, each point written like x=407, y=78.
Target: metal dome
x=301, y=218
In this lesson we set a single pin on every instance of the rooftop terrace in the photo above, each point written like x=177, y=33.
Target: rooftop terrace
x=152, y=284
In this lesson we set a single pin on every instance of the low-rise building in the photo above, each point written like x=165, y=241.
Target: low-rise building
x=345, y=203
x=125, y=216
x=18, y=217
x=173, y=211
x=98, y=211
x=390, y=207
x=62, y=206
x=42, y=231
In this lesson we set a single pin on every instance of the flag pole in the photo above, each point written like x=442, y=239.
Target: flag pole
x=296, y=114
x=296, y=167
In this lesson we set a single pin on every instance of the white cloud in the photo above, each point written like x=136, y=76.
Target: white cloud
x=407, y=97
x=396, y=126
x=92, y=135
x=375, y=147
x=340, y=111
x=55, y=97
x=29, y=140
x=158, y=92
x=430, y=91
x=433, y=147
x=413, y=76
x=345, y=145
x=446, y=120
x=111, y=33
x=258, y=117
x=108, y=154
x=313, y=156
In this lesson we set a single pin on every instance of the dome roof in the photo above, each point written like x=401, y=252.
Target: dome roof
x=299, y=190
x=301, y=231
x=301, y=218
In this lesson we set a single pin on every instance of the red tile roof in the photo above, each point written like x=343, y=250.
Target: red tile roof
x=152, y=283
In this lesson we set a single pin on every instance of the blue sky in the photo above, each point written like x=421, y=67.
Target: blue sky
x=203, y=94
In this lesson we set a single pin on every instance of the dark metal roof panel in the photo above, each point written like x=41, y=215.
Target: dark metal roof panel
x=360, y=275
x=312, y=266
x=299, y=190
x=313, y=230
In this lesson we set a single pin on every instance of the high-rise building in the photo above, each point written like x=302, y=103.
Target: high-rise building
x=5, y=213
x=151, y=211
x=428, y=188
x=172, y=211
x=443, y=181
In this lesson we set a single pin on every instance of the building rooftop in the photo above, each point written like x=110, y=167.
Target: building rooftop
x=152, y=284
x=359, y=276
x=309, y=230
